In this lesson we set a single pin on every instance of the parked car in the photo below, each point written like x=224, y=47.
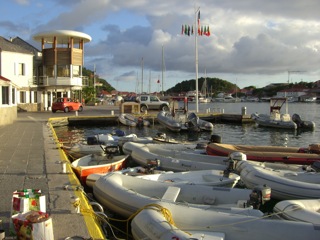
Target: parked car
x=151, y=102
x=66, y=104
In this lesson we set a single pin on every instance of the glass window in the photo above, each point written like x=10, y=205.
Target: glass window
x=22, y=97
x=21, y=69
x=5, y=95
x=13, y=95
x=76, y=71
x=63, y=71
x=49, y=71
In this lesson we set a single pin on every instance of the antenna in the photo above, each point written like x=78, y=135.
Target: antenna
x=295, y=71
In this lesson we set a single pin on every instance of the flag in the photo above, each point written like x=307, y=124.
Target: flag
x=192, y=31
x=199, y=18
x=186, y=29
x=208, y=31
x=189, y=30
x=182, y=30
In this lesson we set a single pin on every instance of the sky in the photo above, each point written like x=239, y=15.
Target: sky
x=136, y=43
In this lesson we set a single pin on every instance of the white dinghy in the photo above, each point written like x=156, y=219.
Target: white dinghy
x=216, y=178
x=171, y=221
x=285, y=184
x=125, y=195
x=303, y=210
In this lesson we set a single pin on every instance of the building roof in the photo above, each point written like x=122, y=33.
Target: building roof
x=63, y=36
x=4, y=79
x=9, y=46
x=20, y=42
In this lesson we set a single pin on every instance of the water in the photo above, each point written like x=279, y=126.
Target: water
x=248, y=134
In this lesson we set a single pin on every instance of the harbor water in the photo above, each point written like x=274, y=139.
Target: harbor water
x=249, y=133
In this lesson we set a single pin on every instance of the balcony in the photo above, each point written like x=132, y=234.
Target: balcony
x=60, y=81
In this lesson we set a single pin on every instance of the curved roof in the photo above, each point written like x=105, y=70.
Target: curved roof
x=62, y=36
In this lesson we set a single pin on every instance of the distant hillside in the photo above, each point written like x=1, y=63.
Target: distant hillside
x=214, y=86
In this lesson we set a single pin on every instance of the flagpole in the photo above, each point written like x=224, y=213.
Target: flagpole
x=196, y=57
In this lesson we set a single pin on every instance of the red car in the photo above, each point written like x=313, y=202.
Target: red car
x=66, y=104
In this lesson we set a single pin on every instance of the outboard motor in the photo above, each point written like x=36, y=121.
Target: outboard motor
x=316, y=166
x=259, y=196
x=192, y=123
x=296, y=118
x=140, y=122
x=215, y=139
x=152, y=165
x=93, y=141
x=111, y=151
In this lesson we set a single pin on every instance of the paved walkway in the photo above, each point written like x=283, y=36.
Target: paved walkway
x=30, y=158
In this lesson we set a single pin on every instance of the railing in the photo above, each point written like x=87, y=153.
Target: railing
x=60, y=81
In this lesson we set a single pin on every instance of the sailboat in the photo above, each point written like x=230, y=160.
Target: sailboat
x=203, y=98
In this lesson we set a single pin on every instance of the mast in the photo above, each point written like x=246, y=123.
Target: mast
x=142, y=75
x=162, y=69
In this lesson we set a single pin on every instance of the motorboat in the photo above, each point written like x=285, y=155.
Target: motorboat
x=97, y=144
x=179, y=121
x=284, y=184
x=302, y=210
x=289, y=155
x=125, y=195
x=278, y=119
x=202, y=177
x=173, y=160
x=91, y=163
x=164, y=220
x=133, y=121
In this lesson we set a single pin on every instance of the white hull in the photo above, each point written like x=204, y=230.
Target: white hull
x=174, y=160
x=193, y=223
x=132, y=121
x=306, y=210
x=201, y=177
x=284, y=184
x=125, y=195
x=179, y=122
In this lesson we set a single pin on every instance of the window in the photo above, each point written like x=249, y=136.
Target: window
x=21, y=69
x=5, y=95
x=49, y=71
x=13, y=95
x=22, y=97
x=76, y=71
x=63, y=71
x=35, y=97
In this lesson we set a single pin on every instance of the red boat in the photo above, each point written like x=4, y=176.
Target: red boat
x=289, y=155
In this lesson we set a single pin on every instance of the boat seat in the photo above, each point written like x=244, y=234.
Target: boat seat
x=285, y=117
x=171, y=193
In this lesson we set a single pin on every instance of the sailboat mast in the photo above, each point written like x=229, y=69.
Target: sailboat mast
x=162, y=68
x=142, y=75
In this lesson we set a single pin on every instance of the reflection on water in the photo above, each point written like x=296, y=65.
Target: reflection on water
x=248, y=134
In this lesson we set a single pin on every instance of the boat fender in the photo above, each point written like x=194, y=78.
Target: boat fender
x=215, y=139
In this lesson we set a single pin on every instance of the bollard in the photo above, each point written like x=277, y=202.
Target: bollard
x=77, y=113
x=112, y=112
x=64, y=167
x=244, y=111
x=76, y=205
